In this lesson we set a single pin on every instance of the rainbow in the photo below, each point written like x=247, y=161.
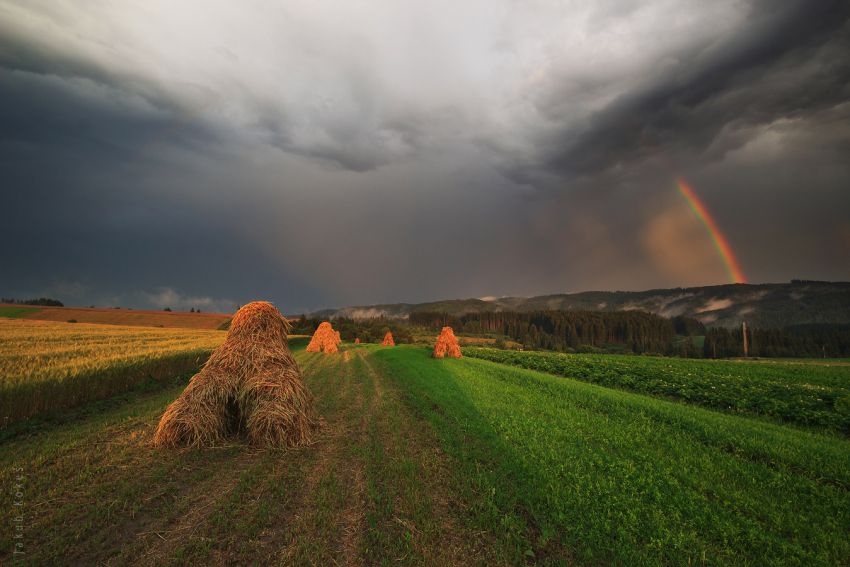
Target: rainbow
x=720, y=242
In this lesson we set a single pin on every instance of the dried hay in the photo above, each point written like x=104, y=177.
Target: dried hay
x=250, y=384
x=388, y=340
x=357, y=340
x=447, y=345
x=325, y=339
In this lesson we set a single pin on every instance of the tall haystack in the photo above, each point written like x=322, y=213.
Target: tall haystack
x=250, y=385
x=447, y=345
x=388, y=340
x=325, y=339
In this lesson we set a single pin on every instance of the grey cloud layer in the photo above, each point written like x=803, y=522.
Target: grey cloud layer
x=786, y=60
x=326, y=156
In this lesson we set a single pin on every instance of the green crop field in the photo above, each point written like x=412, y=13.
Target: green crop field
x=565, y=469
x=814, y=394
x=435, y=462
x=15, y=312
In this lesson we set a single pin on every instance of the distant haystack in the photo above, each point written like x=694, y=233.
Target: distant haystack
x=357, y=340
x=388, y=340
x=447, y=345
x=325, y=339
x=250, y=384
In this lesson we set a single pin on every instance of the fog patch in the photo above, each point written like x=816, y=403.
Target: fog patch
x=715, y=304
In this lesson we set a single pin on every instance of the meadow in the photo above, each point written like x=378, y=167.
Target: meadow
x=425, y=462
x=47, y=366
x=811, y=394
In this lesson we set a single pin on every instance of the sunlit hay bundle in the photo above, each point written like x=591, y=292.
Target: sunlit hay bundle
x=388, y=340
x=357, y=340
x=447, y=345
x=330, y=348
x=250, y=384
x=201, y=415
x=338, y=338
x=278, y=406
x=325, y=339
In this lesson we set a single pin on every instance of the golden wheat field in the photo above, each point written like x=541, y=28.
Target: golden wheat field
x=48, y=365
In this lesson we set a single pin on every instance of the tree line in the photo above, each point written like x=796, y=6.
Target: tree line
x=367, y=330
x=640, y=332
x=41, y=301
x=813, y=340
x=565, y=331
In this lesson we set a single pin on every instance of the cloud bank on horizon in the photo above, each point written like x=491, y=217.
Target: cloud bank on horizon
x=378, y=152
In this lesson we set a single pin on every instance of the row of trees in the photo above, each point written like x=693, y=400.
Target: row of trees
x=41, y=301
x=641, y=332
x=634, y=331
x=816, y=340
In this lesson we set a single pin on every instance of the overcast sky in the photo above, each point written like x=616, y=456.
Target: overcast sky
x=318, y=154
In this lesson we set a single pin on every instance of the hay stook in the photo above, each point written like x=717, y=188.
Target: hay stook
x=250, y=385
x=447, y=345
x=325, y=339
x=388, y=340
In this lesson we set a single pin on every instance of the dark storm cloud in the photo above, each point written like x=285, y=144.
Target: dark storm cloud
x=207, y=154
x=786, y=60
x=87, y=162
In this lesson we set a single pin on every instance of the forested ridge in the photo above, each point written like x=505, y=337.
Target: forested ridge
x=640, y=332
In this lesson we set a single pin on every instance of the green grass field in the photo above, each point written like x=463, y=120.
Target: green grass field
x=433, y=462
x=597, y=475
x=15, y=312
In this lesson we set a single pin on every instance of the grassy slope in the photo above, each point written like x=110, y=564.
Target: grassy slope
x=564, y=469
x=435, y=462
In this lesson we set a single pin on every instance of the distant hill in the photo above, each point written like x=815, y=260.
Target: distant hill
x=761, y=305
x=106, y=316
